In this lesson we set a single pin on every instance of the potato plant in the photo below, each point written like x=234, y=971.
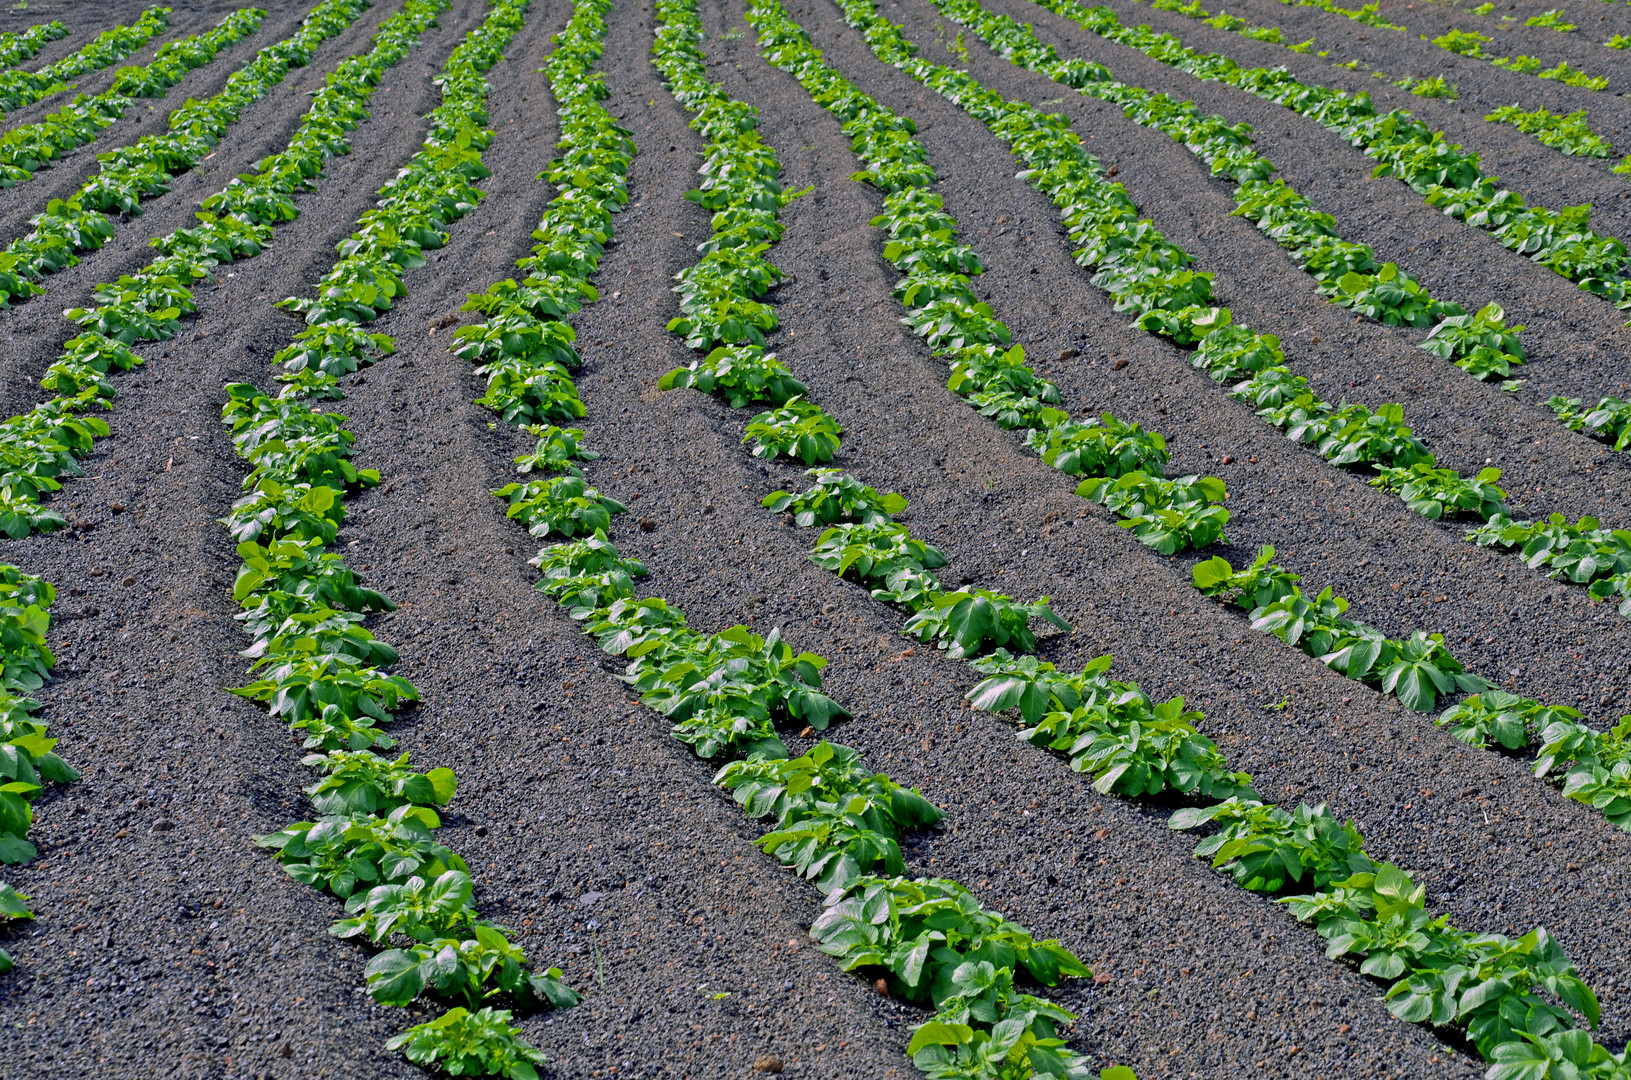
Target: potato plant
x=799, y=430
x=465, y=1043
x=13, y=907
x=836, y=497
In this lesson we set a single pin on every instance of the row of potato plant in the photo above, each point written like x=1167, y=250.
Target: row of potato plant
x=40, y=449
x=25, y=149
x=1581, y=552
x=1570, y=134
x=1150, y=277
x=17, y=48
x=1445, y=174
x=1419, y=670
x=126, y=176
x=833, y=821
x=28, y=758
x=1592, y=766
x=1347, y=435
x=1470, y=44
x=373, y=843
x=1517, y=1000
x=20, y=88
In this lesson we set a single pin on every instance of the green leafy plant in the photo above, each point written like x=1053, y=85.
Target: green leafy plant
x=1106, y=447
x=1433, y=87
x=464, y=1043
x=1570, y=134
x=1435, y=493
x=873, y=553
x=834, y=821
x=13, y=906
x=1497, y=716
x=560, y=506
x=1609, y=420
x=1552, y=20
x=918, y=933
x=968, y=622
x=741, y=374
x=836, y=496
x=1260, y=584
x=1167, y=515
x=798, y=430
x=1134, y=747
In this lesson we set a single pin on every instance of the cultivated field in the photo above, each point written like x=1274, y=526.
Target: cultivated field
x=832, y=538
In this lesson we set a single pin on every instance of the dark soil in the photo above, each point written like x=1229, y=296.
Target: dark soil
x=601, y=838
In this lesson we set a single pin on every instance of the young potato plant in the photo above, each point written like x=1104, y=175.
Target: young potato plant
x=1481, y=344
x=835, y=821
x=797, y=430
x=1608, y=420
x=741, y=374
x=342, y=852
x=1436, y=493
x=28, y=758
x=1167, y=515
x=836, y=497
x=587, y=574
x=1417, y=670
x=1105, y=447
x=730, y=665
x=13, y=907
x=873, y=552
x=559, y=506
x=1258, y=585
x=1495, y=716
x=921, y=933
x=1131, y=746
x=1580, y=552
x=967, y=623
x=465, y=1043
